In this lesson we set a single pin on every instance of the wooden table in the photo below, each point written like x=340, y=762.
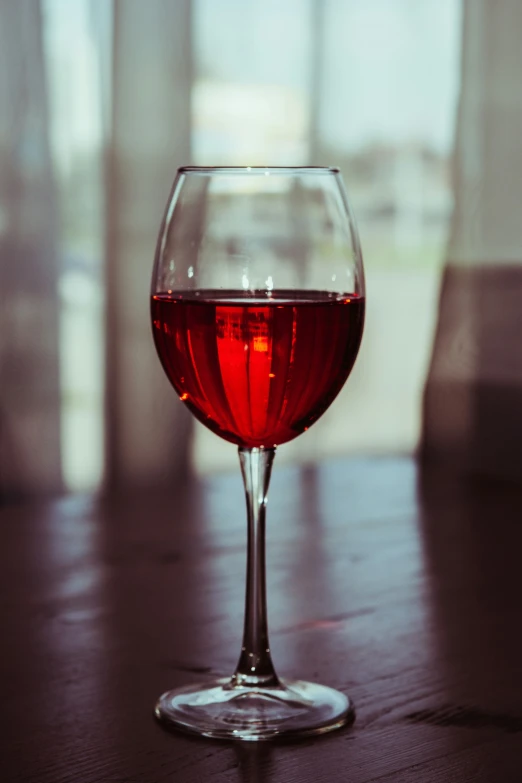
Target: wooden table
x=404, y=591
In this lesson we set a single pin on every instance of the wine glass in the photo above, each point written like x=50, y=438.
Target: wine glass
x=257, y=311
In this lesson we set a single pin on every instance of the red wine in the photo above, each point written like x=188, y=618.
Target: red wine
x=257, y=370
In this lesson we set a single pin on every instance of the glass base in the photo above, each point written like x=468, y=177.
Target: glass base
x=221, y=710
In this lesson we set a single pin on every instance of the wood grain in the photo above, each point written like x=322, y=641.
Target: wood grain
x=402, y=589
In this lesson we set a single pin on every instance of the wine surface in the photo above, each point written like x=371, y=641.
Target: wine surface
x=257, y=370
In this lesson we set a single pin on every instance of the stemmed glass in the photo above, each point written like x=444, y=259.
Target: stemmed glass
x=257, y=311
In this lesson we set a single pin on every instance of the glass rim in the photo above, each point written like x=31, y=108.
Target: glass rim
x=238, y=170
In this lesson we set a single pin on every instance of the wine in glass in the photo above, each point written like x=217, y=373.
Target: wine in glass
x=257, y=311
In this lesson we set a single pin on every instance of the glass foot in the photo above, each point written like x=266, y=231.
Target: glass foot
x=219, y=709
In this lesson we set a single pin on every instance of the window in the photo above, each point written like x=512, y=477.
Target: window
x=372, y=87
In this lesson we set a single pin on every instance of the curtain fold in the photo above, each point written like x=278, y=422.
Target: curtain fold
x=473, y=396
x=147, y=431
x=29, y=269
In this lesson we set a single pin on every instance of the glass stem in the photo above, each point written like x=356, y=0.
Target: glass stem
x=255, y=667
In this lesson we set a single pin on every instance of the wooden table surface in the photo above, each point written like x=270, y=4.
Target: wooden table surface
x=404, y=591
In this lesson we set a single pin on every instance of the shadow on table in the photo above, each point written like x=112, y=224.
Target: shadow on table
x=472, y=535
x=174, y=586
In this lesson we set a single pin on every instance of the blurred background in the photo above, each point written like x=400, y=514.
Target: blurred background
x=103, y=99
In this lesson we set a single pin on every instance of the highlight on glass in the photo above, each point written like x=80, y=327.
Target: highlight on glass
x=257, y=308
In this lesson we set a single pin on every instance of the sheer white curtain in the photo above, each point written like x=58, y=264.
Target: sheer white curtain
x=95, y=119
x=102, y=100
x=473, y=400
